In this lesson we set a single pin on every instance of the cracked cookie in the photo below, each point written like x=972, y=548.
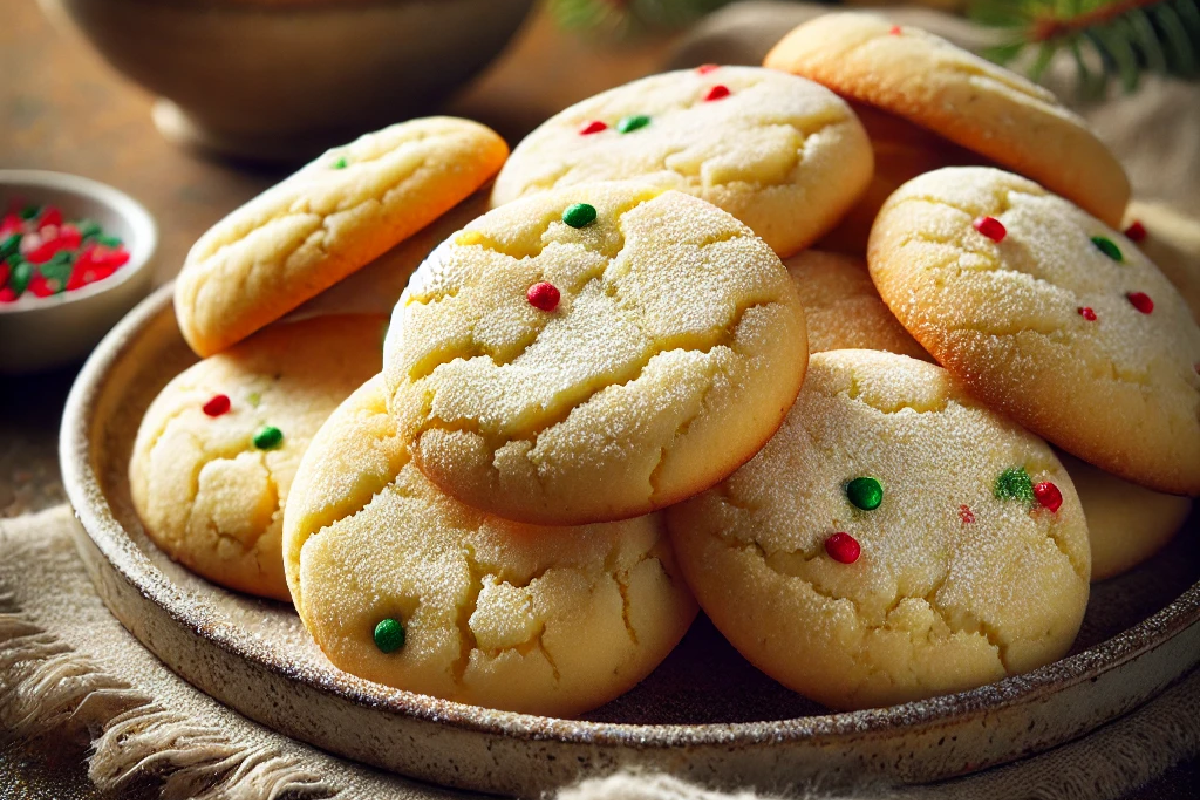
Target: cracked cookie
x=979, y=105
x=401, y=584
x=1127, y=524
x=842, y=309
x=593, y=353
x=893, y=541
x=329, y=219
x=782, y=154
x=216, y=452
x=1049, y=316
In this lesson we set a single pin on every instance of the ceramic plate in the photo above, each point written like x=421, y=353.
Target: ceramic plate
x=704, y=714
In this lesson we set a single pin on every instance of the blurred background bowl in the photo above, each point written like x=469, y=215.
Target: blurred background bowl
x=282, y=80
x=40, y=333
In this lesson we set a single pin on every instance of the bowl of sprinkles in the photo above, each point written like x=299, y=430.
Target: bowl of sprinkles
x=73, y=258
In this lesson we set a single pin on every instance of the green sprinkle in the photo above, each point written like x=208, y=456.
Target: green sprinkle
x=22, y=273
x=633, y=123
x=109, y=241
x=10, y=246
x=89, y=228
x=30, y=212
x=865, y=493
x=341, y=163
x=268, y=438
x=58, y=268
x=1014, y=484
x=1108, y=247
x=579, y=214
x=389, y=635
x=254, y=398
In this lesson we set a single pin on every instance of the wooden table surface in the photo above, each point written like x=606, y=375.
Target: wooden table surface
x=63, y=109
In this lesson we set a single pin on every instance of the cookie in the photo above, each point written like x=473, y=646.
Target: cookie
x=842, y=308
x=377, y=287
x=400, y=584
x=983, y=107
x=329, y=219
x=1127, y=524
x=783, y=155
x=1172, y=241
x=215, y=455
x=593, y=353
x=893, y=541
x=1049, y=316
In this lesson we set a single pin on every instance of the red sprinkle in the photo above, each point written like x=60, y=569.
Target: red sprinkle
x=966, y=514
x=1136, y=231
x=543, y=296
x=895, y=31
x=704, y=69
x=51, y=216
x=1048, y=495
x=717, y=92
x=843, y=547
x=7, y=295
x=991, y=227
x=40, y=287
x=1087, y=313
x=1141, y=301
x=217, y=405
x=595, y=126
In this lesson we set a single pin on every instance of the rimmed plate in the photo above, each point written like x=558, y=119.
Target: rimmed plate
x=705, y=714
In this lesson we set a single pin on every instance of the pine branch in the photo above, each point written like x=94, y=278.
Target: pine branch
x=1107, y=39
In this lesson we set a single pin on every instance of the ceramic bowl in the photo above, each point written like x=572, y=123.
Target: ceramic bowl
x=282, y=80
x=39, y=333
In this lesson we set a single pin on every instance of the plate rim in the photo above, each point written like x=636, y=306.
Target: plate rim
x=91, y=507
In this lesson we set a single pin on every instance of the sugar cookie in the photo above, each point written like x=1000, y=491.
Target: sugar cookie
x=782, y=154
x=842, y=308
x=981, y=106
x=400, y=584
x=893, y=541
x=593, y=353
x=1126, y=523
x=216, y=452
x=329, y=219
x=1049, y=316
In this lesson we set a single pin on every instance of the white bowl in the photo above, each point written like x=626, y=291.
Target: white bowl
x=39, y=333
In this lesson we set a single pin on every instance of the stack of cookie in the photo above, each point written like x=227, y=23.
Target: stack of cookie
x=595, y=405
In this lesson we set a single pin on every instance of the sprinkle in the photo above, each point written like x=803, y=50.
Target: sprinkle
x=341, y=163
x=217, y=405
x=992, y=228
x=254, y=398
x=1108, y=247
x=865, y=493
x=843, y=547
x=632, y=123
x=22, y=274
x=268, y=438
x=543, y=296
x=1136, y=231
x=704, y=69
x=7, y=295
x=389, y=635
x=895, y=31
x=966, y=514
x=717, y=92
x=1141, y=301
x=579, y=214
x=1087, y=313
x=595, y=126
x=1048, y=495
x=1014, y=484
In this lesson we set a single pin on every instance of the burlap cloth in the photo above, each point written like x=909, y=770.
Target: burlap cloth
x=74, y=683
